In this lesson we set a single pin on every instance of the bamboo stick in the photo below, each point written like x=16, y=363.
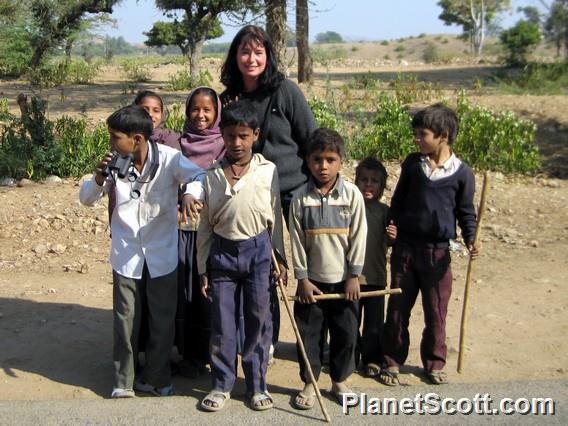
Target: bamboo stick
x=335, y=296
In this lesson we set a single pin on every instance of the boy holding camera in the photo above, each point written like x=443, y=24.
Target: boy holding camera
x=144, y=244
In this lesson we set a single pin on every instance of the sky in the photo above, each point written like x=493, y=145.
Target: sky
x=353, y=19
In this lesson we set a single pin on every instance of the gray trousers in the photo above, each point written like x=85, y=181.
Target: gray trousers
x=130, y=296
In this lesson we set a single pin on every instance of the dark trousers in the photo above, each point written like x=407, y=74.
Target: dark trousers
x=426, y=270
x=372, y=315
x=341, y=319
x=240, y=267
x=129, y=296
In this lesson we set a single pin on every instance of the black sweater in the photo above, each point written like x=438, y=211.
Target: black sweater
x=290, y=125
x=425, y=211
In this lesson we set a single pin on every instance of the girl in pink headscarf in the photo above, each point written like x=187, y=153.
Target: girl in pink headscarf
x=201, y=142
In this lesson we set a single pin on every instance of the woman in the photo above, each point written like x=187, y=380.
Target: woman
x=286, y=120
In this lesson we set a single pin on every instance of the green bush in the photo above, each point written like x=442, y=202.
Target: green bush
x=182, y=80
x=496, y=141
x=175, y=117
x=408, y=88
x=431, y=53
x=389, y=136
x=325, y=115
x=34, y=147
x=519, y=40
x=16, y=50
x=537, y=78
x=135, y=72
x=61, y=71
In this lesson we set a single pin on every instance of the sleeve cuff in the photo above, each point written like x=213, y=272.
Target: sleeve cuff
x=356, y=269
x=300, y=274
x=195, y=188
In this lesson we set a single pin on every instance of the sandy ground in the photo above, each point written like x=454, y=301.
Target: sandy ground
x=55, y=280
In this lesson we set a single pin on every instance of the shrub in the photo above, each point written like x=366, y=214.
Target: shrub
x=384, y=43
x=496, y=141
x=431, y=53
x=324, y=113
x=519, y=40
x=408, y=88
x=64, y=71
x=16, y=50
x=135, y=72
x=182, y=80
x=538, y=79
x=175, y=117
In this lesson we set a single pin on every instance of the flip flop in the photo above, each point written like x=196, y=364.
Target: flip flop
x=339, y=395
x=215, y=400
x=258, y=398
x=389, y=378
x=372, y=370
x=305, y=402
x=437, y=377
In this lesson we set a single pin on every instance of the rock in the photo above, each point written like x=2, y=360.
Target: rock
x=52, y=291
x=22, y=183
x=5, y=235
x=40, y=249
x=53, y=180
x=7, y=181
x=84, y=268
x=57, y=248
x=534, y=243
x=498, y=176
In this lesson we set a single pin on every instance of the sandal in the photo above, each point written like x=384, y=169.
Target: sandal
x=372, y=370
x=305, y=402
x=215, y=400
x=437, y=377
x=389, y=377
x=260, y=401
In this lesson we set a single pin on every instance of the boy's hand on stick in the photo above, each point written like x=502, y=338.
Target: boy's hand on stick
x=473, y=251
x=352, y=288
x=99, y=178
x=283, y=274
x=306, y=291
x=204, y=284
x=391, y=231
x=190, y=208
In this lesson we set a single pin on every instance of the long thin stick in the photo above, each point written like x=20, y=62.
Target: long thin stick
x=470, y=267
x=335, y=296
x=300, y=342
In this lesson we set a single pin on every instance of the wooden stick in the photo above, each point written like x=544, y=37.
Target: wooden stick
x=300, y=342
x=470, y=267
x=335, y=296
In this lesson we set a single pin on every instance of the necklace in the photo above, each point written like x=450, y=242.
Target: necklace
x=237, y=176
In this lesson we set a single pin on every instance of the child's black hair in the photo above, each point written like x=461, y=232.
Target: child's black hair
x=130, y=120
x=371, y=163
x=141, y=95
x=239, y=113
x=324, y=139
x=439, y=119
x=206, y=91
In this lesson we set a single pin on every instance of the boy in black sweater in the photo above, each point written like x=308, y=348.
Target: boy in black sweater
x=434, y=189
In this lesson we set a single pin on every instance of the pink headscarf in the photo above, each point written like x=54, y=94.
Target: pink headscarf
x=202, y=147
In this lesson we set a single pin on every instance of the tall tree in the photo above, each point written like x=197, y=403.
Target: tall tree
x=556, y=25
x=473, y=16
x=305, y=62
x=56, y=20
x=276, y=28
x=199, y=22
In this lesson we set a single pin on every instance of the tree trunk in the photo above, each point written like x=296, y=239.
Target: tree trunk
x=195, y=50
x=68, y=48
x=276, y=29
x=305, y=63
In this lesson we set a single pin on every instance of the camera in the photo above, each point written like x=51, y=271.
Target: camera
x=120, y=163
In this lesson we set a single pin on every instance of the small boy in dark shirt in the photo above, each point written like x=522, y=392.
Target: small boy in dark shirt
x=434, y=189
x=371, y=179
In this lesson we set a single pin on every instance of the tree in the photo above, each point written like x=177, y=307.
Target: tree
x=329, y=37
x=54, y=21
x=276, y=28
x=519, y=40
x=556, y=25
x=199, y=22
x=305, y=62
x=473, y=16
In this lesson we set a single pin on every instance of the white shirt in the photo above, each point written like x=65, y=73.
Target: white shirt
x=144, y=229
x=448, y=168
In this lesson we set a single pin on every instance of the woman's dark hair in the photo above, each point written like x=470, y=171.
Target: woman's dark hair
x=371, y=163
x=147, y=94
x=206, y=91
x=131, y=119
x=231, y=75
x=324, y=139
x=239, y=113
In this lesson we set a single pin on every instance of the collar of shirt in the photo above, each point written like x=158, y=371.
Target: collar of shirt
x=335, y=190
x=448, y=168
